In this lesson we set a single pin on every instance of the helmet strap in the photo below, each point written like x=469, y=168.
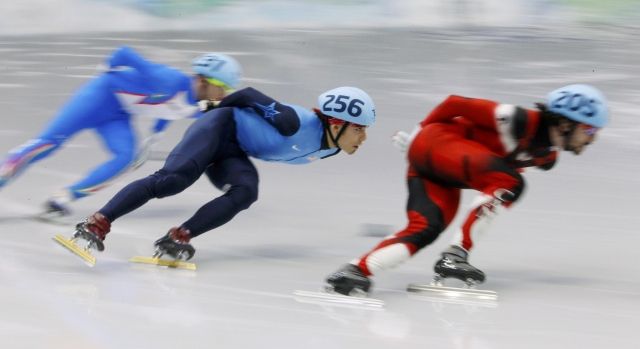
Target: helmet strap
x=344, y=128
x=327, y=128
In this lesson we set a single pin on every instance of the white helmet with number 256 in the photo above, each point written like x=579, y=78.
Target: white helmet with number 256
x=350, y=104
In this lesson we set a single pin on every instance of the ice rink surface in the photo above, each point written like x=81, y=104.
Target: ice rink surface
x=564, y=260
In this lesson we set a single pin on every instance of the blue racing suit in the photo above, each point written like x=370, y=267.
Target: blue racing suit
x=133, y=86
x=246, y=123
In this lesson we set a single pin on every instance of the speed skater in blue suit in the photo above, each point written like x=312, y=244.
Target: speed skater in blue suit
x=131, y=86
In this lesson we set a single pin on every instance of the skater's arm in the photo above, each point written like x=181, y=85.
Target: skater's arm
x=479, y=111
x=280, y=116
x=128, y=57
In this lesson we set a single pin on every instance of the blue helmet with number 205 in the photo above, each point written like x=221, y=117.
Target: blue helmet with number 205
x=580, y=103
x=218, y=68
x=350, y=104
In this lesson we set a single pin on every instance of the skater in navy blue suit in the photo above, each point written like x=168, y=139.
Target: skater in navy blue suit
x=245, y=124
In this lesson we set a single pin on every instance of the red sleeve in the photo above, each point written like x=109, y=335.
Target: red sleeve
x=480, y=112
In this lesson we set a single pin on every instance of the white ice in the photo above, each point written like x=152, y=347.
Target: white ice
x=564, y=260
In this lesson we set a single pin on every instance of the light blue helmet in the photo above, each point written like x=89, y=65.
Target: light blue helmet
x=217, y=67
x=580, y=103
x=350, y=104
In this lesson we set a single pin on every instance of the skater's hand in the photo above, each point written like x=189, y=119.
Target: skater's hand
x=402, y=140
x=145, y=149
x=205, y=105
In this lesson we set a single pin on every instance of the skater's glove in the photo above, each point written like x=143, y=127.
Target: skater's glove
x=146, y=148
x=402, y=140
x=205, y=105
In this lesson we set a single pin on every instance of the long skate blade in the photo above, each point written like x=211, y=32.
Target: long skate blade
x=325, y=298
x=454, y=295
x=71, y=246
x=163, y=262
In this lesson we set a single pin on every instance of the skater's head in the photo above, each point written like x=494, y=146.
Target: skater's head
x=575, y=114
x=217, y=75
x=346, y=113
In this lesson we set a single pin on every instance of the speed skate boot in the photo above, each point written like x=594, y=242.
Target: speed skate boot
x=454, y=264
x=94, y=229
x=175, y=244
x=349, y=281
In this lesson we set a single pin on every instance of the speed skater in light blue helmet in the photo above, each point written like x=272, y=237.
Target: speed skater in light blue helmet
x=576, y=112
x=346, y=113
x=218, y=69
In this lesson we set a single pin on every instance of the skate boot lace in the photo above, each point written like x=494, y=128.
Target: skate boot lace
x=449, y=263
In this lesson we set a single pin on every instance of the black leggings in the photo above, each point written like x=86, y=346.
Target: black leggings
x=208, y=146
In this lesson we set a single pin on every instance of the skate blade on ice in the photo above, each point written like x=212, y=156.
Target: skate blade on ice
x=326, y=298
x=454, y=295
x=71, y=246
x=171, y=263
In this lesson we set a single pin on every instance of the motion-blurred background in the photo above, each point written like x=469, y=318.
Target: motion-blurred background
x=42, y=16
x=564, y=260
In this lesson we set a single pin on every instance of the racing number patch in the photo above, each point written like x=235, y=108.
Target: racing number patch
x=341, y=103
x=575, y=102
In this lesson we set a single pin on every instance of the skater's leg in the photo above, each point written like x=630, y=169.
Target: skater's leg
x=199, y=147
x=430, y=209
x=82, y=111
x=21, y=157
x=467, y=164
x=119, y=138
x=499, y=187
x=172, y=179
x=239, y=177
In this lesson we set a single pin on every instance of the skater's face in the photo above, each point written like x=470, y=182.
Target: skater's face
x=576, y=142
x=352, y=138
x=582, y=136
x=207, y=91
